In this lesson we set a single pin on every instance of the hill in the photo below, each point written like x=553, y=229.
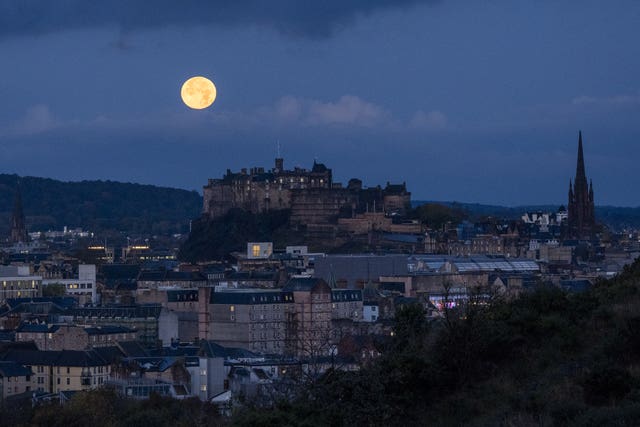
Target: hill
x=98, y=206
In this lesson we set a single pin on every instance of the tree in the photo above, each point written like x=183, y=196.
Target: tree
x=54, y=290
x=436, y=215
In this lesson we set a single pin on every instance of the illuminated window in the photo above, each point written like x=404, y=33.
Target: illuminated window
x=203, y=387
x=255, y=250
x=232, y=308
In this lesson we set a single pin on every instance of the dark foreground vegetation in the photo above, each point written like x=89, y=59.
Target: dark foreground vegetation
x=104, y=407
x=546, y=359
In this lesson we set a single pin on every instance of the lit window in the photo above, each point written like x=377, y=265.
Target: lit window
x=255, y=250
x=203, y=387
x=232, y=308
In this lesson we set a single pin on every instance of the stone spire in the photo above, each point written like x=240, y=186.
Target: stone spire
x=581, y=203
x=18, y=227
x=581, y=176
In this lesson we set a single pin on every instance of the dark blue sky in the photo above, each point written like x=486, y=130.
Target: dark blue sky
x=463, y=100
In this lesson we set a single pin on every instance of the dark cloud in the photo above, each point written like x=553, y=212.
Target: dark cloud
x=312, y=19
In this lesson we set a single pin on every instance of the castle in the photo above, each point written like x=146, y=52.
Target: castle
x=581, y=218
x=311, y=195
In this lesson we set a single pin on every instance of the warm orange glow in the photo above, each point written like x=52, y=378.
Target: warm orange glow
x=198, y=92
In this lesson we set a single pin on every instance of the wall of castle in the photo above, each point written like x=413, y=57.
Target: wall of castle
x=396, y=203
x=319, y=205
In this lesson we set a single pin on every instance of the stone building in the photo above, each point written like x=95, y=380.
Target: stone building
x=311, y=195
x=252, y=319
x=67, y=370
x=14, y=379
x=310, y=324
x=72, y=337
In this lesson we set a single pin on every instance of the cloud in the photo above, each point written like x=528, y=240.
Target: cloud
x=348, y=110
x=428, y=120
x=37, y=119
x=624, y=100
x=312, y=19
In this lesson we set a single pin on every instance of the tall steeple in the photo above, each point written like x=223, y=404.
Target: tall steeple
x=580, y=183
x=581, y=203
x=580, y=173
x=18, y=227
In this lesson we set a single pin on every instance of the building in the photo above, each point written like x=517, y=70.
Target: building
x=18, y=282
x=252, y=319
x=18, y=232
x=346, y=304
x=145, y=319
x=581, y=213
x=355, y=271
x=72, y=337
x=311, y=195
x=82, y=287
x=159, y=279
x=14, y=379
x=67, y=370
x=310, y=328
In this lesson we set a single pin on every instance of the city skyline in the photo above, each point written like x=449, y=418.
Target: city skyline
x=474, y=103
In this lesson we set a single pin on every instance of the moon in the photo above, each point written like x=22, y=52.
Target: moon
x=198, y=92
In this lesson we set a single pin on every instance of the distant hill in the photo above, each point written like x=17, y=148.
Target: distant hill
x=616, y=218
x=98, y=206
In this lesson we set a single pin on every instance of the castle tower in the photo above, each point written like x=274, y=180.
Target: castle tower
x=18, y=228
x=581, y=205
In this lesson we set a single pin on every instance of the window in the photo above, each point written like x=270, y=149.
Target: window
x=68, y=381
x=255, y=250
x=232, y=308
x=203, y=387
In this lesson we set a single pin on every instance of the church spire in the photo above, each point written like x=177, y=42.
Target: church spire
x=18, y=227
x=581, y=176
x=581, y=207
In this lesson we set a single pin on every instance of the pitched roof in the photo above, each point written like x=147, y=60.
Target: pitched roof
x=212, y=349
x=108, y=329
x=132, y=348
x=305, y=284
x=55, y=358
x=13, y=369
x=251, y=296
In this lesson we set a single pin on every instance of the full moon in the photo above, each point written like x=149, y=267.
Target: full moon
x=198, y=92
